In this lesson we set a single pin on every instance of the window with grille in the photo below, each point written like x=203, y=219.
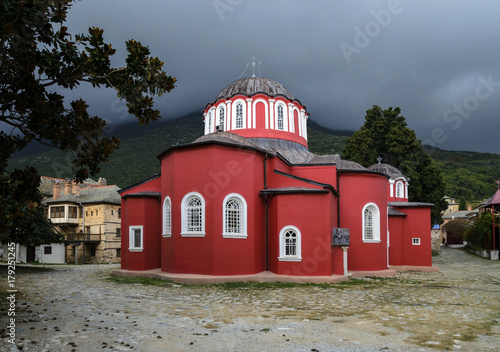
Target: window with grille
x=193, y=215
x=399, y=190
x=371, y=223
x=221, y=118
x=234, y=211
x=280, y=117
x=135, y=239
x=290, y=244
x=167, y=217
x=415, y=241
x=234, y=216
x=209, y=121
x=239, y=116
x=368, y=234
x=47, y=250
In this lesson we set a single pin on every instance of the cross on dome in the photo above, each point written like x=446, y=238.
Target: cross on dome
x=253, y=64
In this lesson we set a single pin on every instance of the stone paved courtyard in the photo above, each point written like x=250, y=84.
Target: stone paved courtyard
x=78, y=308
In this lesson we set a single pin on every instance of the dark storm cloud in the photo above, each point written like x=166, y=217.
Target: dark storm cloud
x=437, y=60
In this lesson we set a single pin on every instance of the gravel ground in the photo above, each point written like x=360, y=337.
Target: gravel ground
x=77, y=308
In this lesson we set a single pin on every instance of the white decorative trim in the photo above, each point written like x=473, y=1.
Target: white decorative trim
x=391, y=188
x=376, y=223
x=271, y=113
x=249, y=113
x=131, y=238
x=217, y=115
x=244, y=233
x=288, y=258
x=184, y=231
x=228, y=115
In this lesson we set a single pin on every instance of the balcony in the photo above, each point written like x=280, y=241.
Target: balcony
x=84, y=238
x=66, y=221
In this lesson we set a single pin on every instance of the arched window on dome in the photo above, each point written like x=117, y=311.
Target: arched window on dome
x=221, y=119
x=400, y=193
x=234, y=216
x=239, y=115
x=371, y=223
x=280, y=118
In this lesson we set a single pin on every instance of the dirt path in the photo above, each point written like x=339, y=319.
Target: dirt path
x=76, y=308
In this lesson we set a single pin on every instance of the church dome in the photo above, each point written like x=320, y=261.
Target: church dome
x=386, y=169
x=249, y=86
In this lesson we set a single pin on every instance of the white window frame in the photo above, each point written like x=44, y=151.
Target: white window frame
x=285, y=115
x=243, y=111
x=167, y=220
x=131, y=242
x=243, y=217
x=376, y=223
x=280, y=117
x=184, y=215
x=290, y=258
x=415, y=241
x=221, y=108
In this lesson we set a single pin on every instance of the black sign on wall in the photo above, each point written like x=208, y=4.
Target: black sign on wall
x=340, y=237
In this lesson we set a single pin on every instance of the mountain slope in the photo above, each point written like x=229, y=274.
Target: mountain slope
x=469, y=175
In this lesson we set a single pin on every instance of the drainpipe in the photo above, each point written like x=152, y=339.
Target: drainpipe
x=338, y=199
x=266, y=205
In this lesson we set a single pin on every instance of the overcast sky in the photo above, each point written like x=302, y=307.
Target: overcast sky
x=437, y=60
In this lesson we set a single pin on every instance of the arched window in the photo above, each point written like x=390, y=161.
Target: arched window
x=234, y=216
x=239, y=115
x=399, y=190
x=290, y=244
x=209, y=121
x=167, y=217
x=221, y=118
x=371, y=223
x=280, y=118
x=193, y=215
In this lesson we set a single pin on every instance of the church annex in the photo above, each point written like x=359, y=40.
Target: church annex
x=248, y=197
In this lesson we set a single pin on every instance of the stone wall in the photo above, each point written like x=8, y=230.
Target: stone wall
x=437, y=239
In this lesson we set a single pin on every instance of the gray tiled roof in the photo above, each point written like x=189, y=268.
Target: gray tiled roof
x=293, y=152
x=461, y=214
x=104, y=194
x=393, y=212
x=251, y=85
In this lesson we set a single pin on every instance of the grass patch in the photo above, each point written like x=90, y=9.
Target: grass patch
x=148, y=281
x=21, y=269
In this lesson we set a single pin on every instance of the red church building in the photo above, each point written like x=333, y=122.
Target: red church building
x=248, y=198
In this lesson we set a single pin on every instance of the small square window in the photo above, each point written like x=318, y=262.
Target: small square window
x=47, y=250
x=415, y=241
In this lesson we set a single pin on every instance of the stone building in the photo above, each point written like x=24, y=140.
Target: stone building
x=88, y=214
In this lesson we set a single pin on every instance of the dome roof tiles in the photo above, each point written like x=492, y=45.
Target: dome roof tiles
x=252, y=85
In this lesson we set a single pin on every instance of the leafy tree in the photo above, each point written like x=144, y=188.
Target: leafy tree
x=455, y=229
x=479, y=234
x=385, y=134
x=463, y=204
x=39, y=58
